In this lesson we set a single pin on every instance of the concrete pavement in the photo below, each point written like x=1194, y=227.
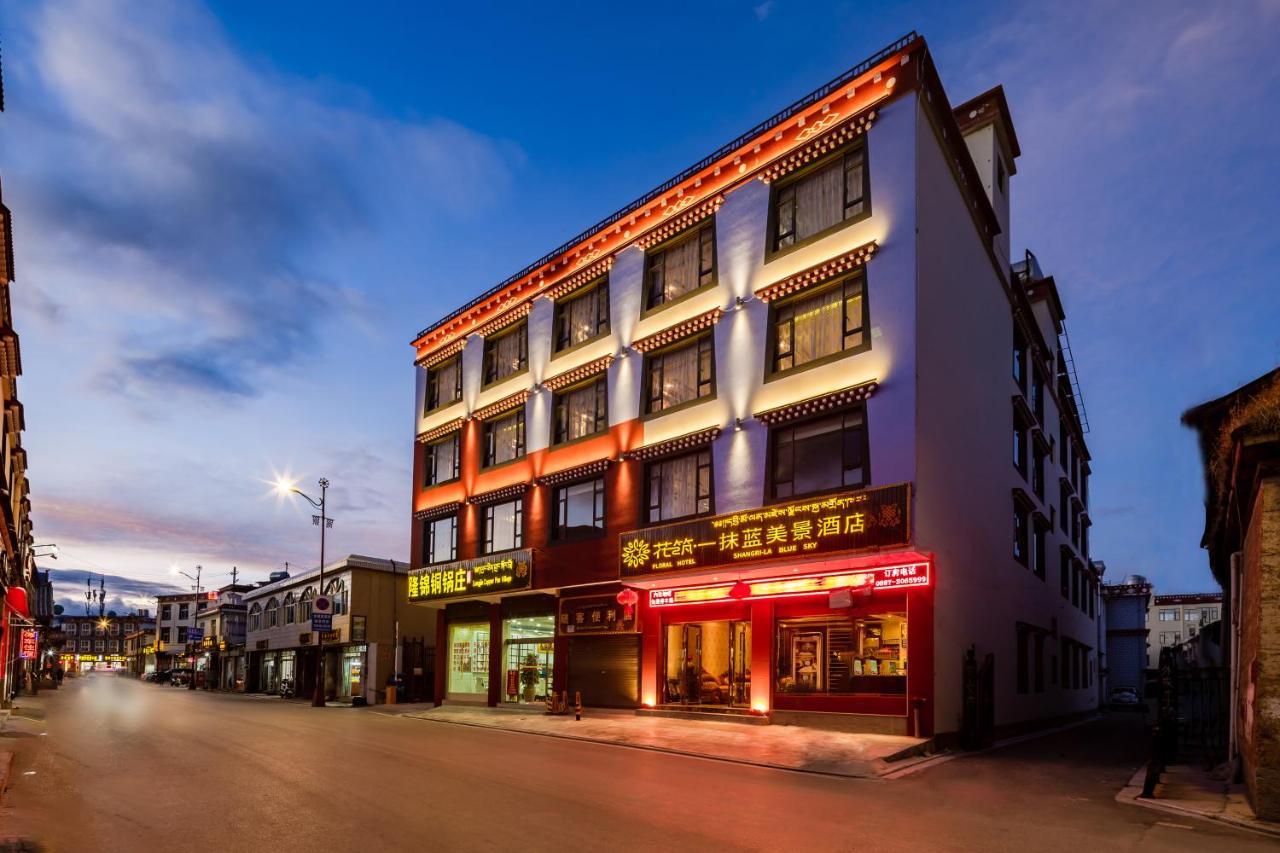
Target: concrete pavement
x=134, y=767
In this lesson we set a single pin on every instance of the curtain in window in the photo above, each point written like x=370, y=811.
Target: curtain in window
x=581, y=318
x=819, y=326
x=446, y=383
x=681, y=265
x=581, y=407
x=506, y=440
x=679, y=376
x=507, y=354
x=445, y=454
x=820, y=200
x=680, y=487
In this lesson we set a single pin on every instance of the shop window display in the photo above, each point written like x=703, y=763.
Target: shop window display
x=469, y=659
x=528, y=649
x=842, y=655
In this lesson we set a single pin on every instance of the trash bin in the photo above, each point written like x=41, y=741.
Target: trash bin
x=391, y=694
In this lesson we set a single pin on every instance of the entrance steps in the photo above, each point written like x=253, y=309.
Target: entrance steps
x=718, y=713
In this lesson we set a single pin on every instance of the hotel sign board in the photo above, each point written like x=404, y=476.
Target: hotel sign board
x=864, y=580
x=866, y=520
x=503, y=572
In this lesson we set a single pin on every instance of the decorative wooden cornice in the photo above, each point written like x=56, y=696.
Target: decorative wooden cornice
x=688, y=441
x=494, y=495
x=816, y=405
x=438, y=511
x=502, y=321
x=506, y=404
x=440, y=431
x=585, y=276
x=828, y=133
x=442, y=355
x=692, y=326
x=10, y=354
x=15, y=416
x=579, y=373
x=590, y=469
x=679, y=221
x=819, y=273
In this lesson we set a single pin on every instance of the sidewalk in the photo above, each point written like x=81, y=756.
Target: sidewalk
x=845, y=754
x=1191, y=791
x=19, y=727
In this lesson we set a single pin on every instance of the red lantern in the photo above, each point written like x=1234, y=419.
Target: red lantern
x=740, y=590
x=627, y=598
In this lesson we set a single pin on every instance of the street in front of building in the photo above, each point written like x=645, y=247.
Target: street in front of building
x=125, y=765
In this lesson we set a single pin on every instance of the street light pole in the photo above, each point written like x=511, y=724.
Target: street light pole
x=323, y=521
x=195, y=620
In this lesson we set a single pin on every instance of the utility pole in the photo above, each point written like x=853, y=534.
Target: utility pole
x=235, y=575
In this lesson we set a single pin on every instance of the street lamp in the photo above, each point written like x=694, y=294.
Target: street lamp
x=285, y=487
x=195, y=620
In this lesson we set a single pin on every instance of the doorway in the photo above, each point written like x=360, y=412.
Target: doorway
x=708, y=663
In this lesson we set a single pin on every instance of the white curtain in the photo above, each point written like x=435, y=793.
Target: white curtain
x=820, y=200
x=679, y=376
x=446, y=379
x=507, y=352
x=582, y=318
x=444, y=453
x=582, y=412
x=506, y=435
x=680, y=487
x=680, y=268
x=819, y=326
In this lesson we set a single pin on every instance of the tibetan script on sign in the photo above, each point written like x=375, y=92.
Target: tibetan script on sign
x=481, y=576
x=870, y=519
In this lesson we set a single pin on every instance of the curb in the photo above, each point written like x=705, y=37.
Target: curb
x=6, y=762
x=1131, y=794
x=875, y=775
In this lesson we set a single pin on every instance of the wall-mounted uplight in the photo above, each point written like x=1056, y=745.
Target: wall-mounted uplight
x=738, y=302
x=737, y=424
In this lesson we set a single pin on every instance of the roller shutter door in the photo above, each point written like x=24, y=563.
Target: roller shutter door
x=606, y=670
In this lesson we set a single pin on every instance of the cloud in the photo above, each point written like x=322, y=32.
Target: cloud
x=123, y=595
x=762, y=10
x=182, y=203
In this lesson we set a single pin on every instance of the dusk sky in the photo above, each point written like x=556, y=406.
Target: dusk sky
x=230, y=221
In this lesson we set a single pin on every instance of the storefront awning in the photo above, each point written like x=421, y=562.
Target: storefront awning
x=15, y=598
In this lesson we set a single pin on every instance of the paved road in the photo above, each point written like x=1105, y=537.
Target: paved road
x=136, y=767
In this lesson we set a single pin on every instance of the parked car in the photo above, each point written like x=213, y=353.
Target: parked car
x=1125, y=696
x=180, y=677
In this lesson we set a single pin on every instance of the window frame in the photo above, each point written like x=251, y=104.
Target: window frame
x=778, y=188
x=654, y=358
x=601, y=382
x=771, y=455
x=429, y=461
x=693, y=232
x=486, y=521
x=648, y=496
x=487, y=433
x=858, y=277
x=600, y=510
x=597, y=289
x=488, y=365
x=429, y=402
x=428, y=539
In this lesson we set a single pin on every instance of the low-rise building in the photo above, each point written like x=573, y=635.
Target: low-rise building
x=140, y=652
x=175, y=617
x=369, y=614
x=219, y=652
x=1125, y=613
x=98, y=642
x=1174, y=619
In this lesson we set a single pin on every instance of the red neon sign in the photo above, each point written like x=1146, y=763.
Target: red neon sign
x=884, y=577
x=29, y=646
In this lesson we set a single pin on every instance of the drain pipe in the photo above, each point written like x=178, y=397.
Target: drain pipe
x=1236, y=594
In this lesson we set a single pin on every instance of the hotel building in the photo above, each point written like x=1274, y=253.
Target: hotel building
x=788, y=435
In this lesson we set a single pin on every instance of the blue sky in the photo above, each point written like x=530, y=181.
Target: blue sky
x=231, y=219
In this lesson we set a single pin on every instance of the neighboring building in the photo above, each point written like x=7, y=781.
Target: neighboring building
x=98, y=642
x=1125, y=605
x=220, y=654
x=367, y=596
x=175, y=617
x=140, y=652
x=1240, y=446
x=17, y=561
x=1174, y=619
x=732, y=445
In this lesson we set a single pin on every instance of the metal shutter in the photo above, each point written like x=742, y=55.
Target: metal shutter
x=606, y=670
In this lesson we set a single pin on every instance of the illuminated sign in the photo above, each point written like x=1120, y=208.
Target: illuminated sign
x=851, y=521
x=481, y=576
x=29, y=645
x=596, y=614
x=882, y=577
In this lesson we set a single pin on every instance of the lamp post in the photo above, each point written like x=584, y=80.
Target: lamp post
x=284, y=487
x=195, y=618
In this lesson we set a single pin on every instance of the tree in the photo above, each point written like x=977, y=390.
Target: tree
x=111, y=613
x=57, y=609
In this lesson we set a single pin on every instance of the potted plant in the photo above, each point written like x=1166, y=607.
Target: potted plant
x=529, y=677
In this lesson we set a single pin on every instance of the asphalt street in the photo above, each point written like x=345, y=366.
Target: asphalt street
x=134, y=767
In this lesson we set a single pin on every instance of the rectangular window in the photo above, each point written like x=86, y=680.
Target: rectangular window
x=503, y=526
x=821, y=198
x=504, y=438
x=819, y=455
x=581, y=411
x=1037, y=394
x=184, y=611
x=579, y=509
x=813, y=326
x=679, y=374
x=852, y=653
x=442, y=461
x=166, y=635
x=440, y=539
x=182, y=635
x=1064, y=449
x=1075, y=586
x=1037, y=470
x=1019, y=442
x=679, y=486
x=1039, y=528
x=582, y=316
x=1019, y=358
x=1064, y=501
x=506, y=353
x=1021, y=531
x=444, y=383
x=1168, y=616
x=166, y=611
x=680, y=267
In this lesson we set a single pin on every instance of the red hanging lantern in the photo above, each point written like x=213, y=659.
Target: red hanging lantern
x=740, y=590
x=628, y=598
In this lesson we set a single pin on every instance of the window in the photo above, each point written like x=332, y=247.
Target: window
x=98, y=645
x=184, y=611
x=503, y=526
x=679, y=375
x=581, y=411
x=1075, y=585
x=166, y=611
x=86, y=628
x=442, y=461
x=98, y=629
x=304, y=605
x=337, y=592
x=444, y=383
x=290, y=609
x=1168, y=616
x=255, y=618
x=1037, y=394
x=854, y=652
x=804, y=455
x=582, y=316
x=506, y=353
x=1040, y=526
x=182, y=636
x=679, y=486
x=813, y=326
x=114, y=628
x=1037, y=470
x=1019, y=358
x=440, y=539
x=579, y=509
x=272, y=612
x=1021, y=525
x=1019, y=442
x=1000, y=175
x=681, y=267
x=1064, y=449
x=1064, y=500
x=504, y=438
x=166, y=636
x=821, y=198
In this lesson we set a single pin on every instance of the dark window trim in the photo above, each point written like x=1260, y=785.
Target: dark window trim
x=430, y=407
x=772, y=250
x=556, y=396
x=456, y=437
x=647, y=496
x=581, y=293
x=486, y=431
x=426, y=539
x=770, y=452
x=486, y=533
x=518, y=326
x=771, y=335
x=690, y=233
x=558, y=535
x=695, y=340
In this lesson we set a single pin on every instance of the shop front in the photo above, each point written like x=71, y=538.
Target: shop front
x=797, y=608
x=600, y=638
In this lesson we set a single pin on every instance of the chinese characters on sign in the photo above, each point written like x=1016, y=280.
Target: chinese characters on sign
x=494, y=573
x=851, y=521
x=29, y=644
x=596, y=614
x=883, y=577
